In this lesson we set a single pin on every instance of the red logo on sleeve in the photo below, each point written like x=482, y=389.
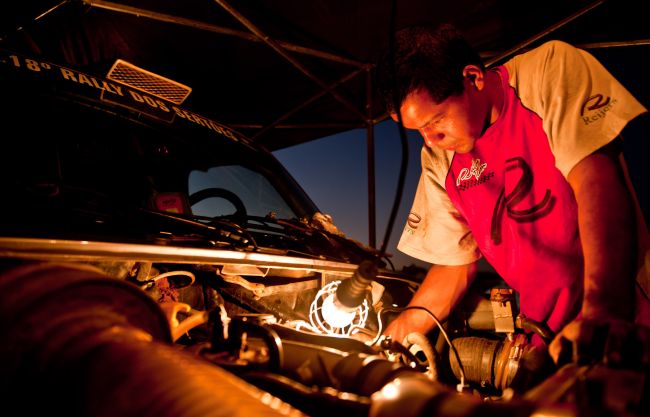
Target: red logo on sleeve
x=594, y=102
x=595, y=108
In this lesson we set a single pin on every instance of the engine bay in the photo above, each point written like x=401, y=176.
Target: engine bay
x=86, y=335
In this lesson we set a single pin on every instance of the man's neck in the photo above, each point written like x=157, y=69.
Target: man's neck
x=494, y=90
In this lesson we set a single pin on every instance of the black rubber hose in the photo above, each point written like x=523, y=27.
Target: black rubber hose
x=541, y=329
x=74, y=342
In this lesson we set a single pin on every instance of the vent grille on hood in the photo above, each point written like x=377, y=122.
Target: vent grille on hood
x=148, y=82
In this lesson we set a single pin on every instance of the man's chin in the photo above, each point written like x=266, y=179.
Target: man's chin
x=461, y=149
x=464, y=147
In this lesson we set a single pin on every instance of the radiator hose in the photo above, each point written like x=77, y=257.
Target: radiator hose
x=492, y=363
x=74, y=342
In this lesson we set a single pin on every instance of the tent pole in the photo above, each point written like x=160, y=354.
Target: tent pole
x=596, y=45
x=283, y=53
x=161, y=17
x=543, y=33
x=370, y=143
x=305, y=104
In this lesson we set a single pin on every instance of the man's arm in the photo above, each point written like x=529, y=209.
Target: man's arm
x=441, y=289
x=608, y=234
x=607, y=227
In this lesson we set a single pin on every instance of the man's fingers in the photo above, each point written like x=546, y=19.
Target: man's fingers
x=581, y=341
x=561, y=350
x=614, y=343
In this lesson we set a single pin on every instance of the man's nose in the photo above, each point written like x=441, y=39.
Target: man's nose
x=431, y=137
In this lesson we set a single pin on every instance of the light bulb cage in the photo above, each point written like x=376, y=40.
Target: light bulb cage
x=318, y=322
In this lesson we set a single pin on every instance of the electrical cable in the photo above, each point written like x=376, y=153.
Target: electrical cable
x=402, y=134
x=442, y=331
x=359, y=279
x=349, y=294
x=399, y=191
x=169, y=274
x=421, y=341
x=196, y=318
x=389, y=262
x=404, y=351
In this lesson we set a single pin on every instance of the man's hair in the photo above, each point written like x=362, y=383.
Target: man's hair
x=428, y=57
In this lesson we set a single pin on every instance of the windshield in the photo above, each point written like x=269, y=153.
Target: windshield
x=253, y=189
x=76, y=161
x=90, y=159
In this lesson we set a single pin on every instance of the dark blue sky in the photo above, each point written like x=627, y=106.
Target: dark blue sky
x=334, y=172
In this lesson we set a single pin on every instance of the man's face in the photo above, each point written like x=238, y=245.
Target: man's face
x=452, y=125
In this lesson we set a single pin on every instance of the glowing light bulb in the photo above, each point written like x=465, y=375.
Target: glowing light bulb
x=336, y=315
x=328, y=315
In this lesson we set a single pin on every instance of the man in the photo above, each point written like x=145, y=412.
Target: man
x=522, y=165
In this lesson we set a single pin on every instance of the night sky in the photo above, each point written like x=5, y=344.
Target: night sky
x=334, y=172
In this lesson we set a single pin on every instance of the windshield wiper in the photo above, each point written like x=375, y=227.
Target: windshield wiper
x=304, y=238
x=229, y=231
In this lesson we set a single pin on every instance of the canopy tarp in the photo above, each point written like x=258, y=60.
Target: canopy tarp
x=289, y=71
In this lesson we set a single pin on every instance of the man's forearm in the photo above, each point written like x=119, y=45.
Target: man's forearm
x=441, y=289
x=608, y=235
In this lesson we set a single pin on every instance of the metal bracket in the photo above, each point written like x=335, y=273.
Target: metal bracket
x=501, y=300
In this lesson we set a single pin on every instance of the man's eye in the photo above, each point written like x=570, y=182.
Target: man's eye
x=433, y=122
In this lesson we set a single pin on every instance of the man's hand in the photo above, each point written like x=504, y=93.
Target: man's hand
x=441, y=289
x=612, y=342
x=409, y=321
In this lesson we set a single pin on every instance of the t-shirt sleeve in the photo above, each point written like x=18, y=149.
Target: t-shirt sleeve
x=435, y=232
x=582, y=106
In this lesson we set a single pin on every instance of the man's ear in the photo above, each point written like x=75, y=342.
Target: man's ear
x=393, y=116
x=474, y=75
